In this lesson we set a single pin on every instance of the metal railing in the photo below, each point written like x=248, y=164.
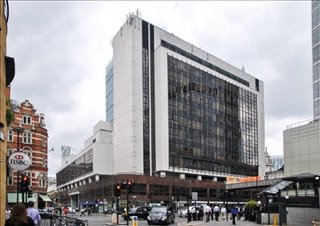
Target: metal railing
x=55, y=220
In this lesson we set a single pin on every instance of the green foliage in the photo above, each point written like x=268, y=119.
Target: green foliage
x=9, y=113
x=251, y=204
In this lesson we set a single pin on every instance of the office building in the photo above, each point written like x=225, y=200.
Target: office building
x=182, y=120
x=302, y=148
x=316, y=57
x=177, y=109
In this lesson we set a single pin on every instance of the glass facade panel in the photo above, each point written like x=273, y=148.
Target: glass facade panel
x=212, y=124
x=146, y=98
x=315, y=4
x=316, y=36
x=316, y=72
x=315, y=17
x=109, y=93
x=316, y=56
x=79, y=167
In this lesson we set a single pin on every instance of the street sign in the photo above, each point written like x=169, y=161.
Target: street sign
x=195, y=196
x=19, y=161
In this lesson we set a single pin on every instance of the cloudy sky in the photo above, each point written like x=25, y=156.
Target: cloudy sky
x=61, y=50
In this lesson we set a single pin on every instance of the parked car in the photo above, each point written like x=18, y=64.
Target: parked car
x=140, y=212
x=161, y=215
x=108, y=210
x=183, y=212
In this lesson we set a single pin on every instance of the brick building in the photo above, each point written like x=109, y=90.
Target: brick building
x=28, y=134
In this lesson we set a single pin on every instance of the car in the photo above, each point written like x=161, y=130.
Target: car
x=161, y=215
x=140, y=212
x=183, y=211
x=108, y=210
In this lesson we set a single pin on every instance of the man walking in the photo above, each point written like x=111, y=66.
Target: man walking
x=234, y=212
x=216, y=210
x=223, y=212
x=33, y=213
x=207, y=212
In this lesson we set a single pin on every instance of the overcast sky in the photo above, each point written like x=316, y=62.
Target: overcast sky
x=61, y=50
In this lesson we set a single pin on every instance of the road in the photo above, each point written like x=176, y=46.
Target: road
x=104, y=220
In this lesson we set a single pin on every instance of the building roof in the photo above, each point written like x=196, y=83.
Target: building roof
x=301, y=177
x=273, y=189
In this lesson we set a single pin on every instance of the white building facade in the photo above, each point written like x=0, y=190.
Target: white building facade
x=302, y=148
x=177, y=109
x=92, y=163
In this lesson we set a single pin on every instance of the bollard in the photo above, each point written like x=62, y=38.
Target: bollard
x=134, y=221
x=114, y=218
x=274, y=219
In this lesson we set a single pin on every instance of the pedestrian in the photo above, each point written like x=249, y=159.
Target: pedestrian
x=207, y=212
x=65, y=210
x=216, y=210
x=33, y=213
x=8, y=212
x=234, y=213
x=89, y=211
x=19, y=216
x=223, y=212
x=200, y=215
x=82, y=211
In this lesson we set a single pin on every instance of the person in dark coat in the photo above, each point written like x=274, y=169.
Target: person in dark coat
x=19, y=216
x=234, y=213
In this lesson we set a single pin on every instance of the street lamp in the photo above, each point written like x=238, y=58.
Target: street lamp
x=19, y=130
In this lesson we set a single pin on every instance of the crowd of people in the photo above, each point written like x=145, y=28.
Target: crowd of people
x=19, y=215
x=216, y=212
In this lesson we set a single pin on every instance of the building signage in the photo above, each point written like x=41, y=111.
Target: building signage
x=19, y=161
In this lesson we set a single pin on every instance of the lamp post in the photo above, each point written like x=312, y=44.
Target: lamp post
x=227, y=197
x=316, y=186
x=19, y=130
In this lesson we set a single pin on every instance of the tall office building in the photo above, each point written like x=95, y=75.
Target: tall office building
x=316, y=57
x=177, y=109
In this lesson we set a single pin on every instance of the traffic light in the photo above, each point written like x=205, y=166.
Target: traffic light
x=25, y=183
x=129, y=186
x=117, y=190
x=30, y=193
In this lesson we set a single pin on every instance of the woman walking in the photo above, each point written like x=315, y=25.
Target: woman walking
x=19, y=216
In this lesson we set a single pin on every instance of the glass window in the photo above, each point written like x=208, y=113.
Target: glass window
x=26, y=119
x=10, y=135
x=208, y=120
x=27, y=137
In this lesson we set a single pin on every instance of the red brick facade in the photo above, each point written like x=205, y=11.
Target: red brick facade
x=28, y=134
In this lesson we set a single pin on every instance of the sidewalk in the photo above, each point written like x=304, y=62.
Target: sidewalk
x=220, y=222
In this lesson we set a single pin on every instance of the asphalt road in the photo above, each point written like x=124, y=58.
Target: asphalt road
x=104, y=220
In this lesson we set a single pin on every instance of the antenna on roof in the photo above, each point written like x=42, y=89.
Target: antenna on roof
x=243, y=69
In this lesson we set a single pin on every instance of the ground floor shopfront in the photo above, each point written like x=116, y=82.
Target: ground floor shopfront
x=146, y=189
x=41, y=201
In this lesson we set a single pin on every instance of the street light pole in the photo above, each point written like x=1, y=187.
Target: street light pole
x=18, y=130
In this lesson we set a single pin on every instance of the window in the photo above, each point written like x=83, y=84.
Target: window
x=10, y=177
x=27, y=137
x=26, y=119
x=10, y=135
x=44, y=143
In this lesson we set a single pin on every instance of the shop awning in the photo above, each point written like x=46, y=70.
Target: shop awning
x=12, y=198
x=45, y=198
